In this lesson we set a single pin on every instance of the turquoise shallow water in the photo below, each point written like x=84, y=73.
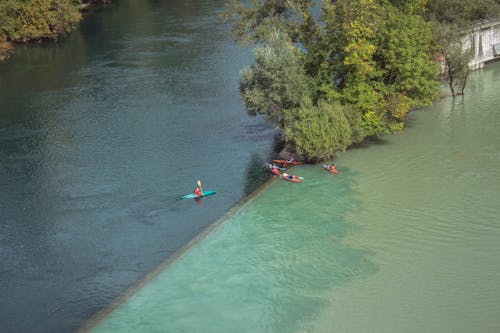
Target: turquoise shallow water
x=405, y=239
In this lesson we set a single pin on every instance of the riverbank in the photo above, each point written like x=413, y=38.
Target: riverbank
x=28, y=22
x=5, y=50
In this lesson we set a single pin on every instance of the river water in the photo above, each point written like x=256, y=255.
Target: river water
x=100, y=134
x=405, y=239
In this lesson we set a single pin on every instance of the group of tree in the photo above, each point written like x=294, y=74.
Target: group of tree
x=28, y=20
x=22, y=21
x=330, y=78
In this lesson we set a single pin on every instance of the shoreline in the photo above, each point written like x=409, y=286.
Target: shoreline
x=102, y=314
x=7, y=47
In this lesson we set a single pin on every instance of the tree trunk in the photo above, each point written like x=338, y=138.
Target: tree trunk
x=450, y=76
x=464, y=82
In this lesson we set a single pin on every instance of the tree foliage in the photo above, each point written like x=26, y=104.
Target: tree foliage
x=319, y=131
x=451, y=19
x=257, y=19
x=456, y=57
x=21, y=21
x=367, y=63
x=462, y=12
x=384, y=59
x=276, y=81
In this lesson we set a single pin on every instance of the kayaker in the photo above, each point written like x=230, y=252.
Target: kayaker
x=274, y=169
x=198, y=190
x=332, y=168
x=288, y=161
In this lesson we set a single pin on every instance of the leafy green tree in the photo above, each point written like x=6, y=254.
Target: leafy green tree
x=370, y=58
x=255, y=20
x=21, y=21
x=383, y=58
x=462, y=12
x=456, y=57
x=404, y=55
x=319, y=131
x=350, y=29
x=276, y=81
x=451, y=19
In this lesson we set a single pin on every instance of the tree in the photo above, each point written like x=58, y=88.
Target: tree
x=253, y=22
x=369, y=58
x=451, y=19
x=276, y=81
x=22, y=21
x=461, y=12
x=404, y=55
x=456, y=56
x=320, y=131
x=383, y=59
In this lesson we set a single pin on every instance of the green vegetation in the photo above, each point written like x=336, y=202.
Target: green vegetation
x=329, y=82
x=277, y=81
x=354, y=71
x=32, y=20
x=23, y=21
x=318, y=131
x=449, y=18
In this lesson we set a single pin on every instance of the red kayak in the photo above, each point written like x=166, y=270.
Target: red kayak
x=274, y=169
x=291, y=178
x=331, y=169
x=285, y=162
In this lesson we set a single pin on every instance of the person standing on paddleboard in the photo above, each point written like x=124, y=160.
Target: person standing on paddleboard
x=198, y=190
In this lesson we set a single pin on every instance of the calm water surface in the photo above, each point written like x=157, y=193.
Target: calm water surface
x=100, y=134
x=405, y=239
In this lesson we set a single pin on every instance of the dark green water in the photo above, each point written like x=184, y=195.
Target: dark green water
x=100, y=134
x=405, y=239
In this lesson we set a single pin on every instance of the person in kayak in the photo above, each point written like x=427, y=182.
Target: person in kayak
x=289, y=176
x=274, y=169
x=198, y=190
x=332, y=168
x=288, y=161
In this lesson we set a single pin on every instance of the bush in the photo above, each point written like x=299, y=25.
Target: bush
x=320, y=131
x=22, y=21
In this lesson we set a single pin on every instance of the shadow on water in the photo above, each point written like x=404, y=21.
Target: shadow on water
x=256, y=174
x=256, y=171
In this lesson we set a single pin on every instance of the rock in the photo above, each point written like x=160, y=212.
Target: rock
x=289, y=151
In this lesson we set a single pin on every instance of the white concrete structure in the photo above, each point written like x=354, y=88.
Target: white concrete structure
x=485, y=41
